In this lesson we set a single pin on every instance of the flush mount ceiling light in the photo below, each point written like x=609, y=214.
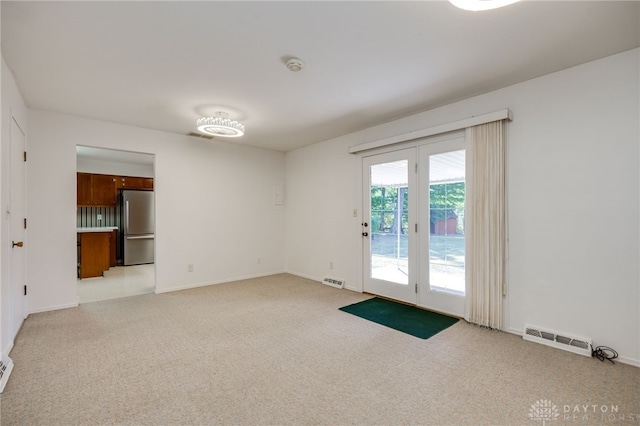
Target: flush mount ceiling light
x=477, y=5
x=220, y=125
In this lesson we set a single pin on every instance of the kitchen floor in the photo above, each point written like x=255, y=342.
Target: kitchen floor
x=119, y=281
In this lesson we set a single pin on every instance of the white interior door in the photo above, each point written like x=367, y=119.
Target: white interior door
x=17, y=232
x=388, y=227
x=441, y=180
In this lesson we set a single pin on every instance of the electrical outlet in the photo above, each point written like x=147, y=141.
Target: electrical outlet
x=190, y=267
x=355, y=212
x=330, y=265
x=259, y=260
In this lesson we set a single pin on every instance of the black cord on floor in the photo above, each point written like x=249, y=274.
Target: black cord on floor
x=604, y=352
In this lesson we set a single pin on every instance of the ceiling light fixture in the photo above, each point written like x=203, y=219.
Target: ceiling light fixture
x=477, y=5
x=220, y=125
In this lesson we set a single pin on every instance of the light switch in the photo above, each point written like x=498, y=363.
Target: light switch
x=278, y=195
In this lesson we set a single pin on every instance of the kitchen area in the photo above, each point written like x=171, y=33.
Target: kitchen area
x=115, y=224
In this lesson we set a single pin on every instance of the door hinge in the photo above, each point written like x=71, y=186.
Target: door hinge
x=25, y=290
x=25, y=155
x=416, y=288
x=416, y=168
x=416, y=226
x=25, y=223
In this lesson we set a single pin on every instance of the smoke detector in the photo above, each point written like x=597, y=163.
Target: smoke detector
x=295, y=64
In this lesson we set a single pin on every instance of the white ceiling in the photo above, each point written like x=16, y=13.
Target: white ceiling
x=161, y=65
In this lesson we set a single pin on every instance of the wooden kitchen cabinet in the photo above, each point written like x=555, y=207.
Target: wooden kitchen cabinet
x=95, y=253
x=95, y=190
x=84, y=197
x=132, y=182
x=104, y=190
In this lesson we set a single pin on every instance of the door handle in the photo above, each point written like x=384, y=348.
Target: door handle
x=141, y=237
x=126, y=215
x=18, y=244
x=365, y=234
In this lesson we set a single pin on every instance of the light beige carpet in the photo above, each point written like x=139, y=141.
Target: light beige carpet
x=277, y=350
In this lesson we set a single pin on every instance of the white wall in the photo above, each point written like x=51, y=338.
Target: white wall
x=87, y=165
x=214, y=206
x=573, y=200
x=12, y=106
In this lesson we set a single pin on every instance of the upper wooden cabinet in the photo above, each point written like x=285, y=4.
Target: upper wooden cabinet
x=129, y=182
x=96, y=190
x=84, y=195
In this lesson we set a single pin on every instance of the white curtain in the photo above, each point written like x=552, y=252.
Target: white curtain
x=485, y=224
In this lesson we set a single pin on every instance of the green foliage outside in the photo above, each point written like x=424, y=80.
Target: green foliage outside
x=384, y=209
x=446, y=200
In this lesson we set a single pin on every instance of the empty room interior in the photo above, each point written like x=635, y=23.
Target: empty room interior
x=237, y=212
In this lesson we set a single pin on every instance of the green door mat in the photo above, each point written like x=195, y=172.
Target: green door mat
x=407, y=319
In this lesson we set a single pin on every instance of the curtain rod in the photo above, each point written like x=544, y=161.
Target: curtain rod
x=503, y=114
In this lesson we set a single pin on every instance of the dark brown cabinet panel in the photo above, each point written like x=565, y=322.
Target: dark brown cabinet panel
x=104, y=190
x=84, y=197
x=131, y=182
x=94, y=253
x=96, y=190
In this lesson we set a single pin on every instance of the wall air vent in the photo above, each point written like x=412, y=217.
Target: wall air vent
x=333, y=282
x=6, y=365
x=199, y=135
x=578, y=345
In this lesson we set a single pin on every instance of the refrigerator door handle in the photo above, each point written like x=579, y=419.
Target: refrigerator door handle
x=140, y=237
x=126, y=216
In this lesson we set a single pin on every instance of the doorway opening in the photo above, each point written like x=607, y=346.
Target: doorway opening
x=115, y=221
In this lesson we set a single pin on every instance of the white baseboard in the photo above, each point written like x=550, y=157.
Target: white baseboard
x=308, y=277
x=222, y=281
x=629, y=361
x=54, y=308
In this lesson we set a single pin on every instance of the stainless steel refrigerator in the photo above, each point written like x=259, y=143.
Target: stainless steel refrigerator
x=137, y=226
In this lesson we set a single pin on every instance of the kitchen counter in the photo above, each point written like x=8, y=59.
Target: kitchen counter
x=98, y=229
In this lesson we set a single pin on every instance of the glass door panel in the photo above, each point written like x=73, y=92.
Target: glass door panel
x=442, y=205
x=446, y=222
x=389, y=215
x=388, y=230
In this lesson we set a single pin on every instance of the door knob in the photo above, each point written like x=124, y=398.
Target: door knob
x=365, y=234
x=19, y=244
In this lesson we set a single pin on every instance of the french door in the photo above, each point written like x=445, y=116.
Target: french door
x=413, y=225
x=389, y=215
